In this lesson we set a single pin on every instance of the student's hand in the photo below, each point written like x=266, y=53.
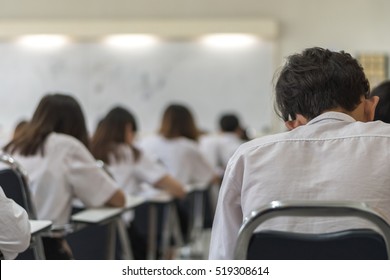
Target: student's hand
x=172, y=186
x=118, y=199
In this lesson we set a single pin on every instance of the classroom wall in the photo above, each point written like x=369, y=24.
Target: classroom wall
x=354, y=25
x=357, y=26
x=145, y=80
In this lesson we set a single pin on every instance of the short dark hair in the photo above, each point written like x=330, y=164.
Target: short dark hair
x=318, y=80
x=229, y=123
x=382, y=110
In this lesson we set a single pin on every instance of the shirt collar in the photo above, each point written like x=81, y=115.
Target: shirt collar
x=332, y=116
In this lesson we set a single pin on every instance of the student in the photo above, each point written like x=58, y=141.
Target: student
x=220, y=147
x=53, y=150
x=332, y=151
x=382, y=111
x=14, y=228
x=177, y=148
x=112, y=143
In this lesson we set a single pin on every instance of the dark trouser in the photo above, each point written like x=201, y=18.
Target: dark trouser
x=56, y=249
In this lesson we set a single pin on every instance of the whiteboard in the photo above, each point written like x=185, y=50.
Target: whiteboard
x=208, y=81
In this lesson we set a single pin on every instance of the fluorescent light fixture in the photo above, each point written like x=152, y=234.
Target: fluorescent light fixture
x=126, y=41
x=229, y=41
x=43, y=41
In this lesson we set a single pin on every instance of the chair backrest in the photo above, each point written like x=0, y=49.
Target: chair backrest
x=347, y=244
x=14, y=180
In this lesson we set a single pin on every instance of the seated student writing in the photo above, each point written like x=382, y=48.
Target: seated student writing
x=53, y=149
x=332, y=152
x=177, y=148
x=112, y=143
x=14, y=228
x=131, y=168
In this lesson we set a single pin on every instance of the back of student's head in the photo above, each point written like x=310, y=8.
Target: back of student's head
x=318, y=80
x=178, y=121
x=382, y=111
x=19, y=127
x=229, y=123
x=112, y=130
x=57, y=112
x=113, y=126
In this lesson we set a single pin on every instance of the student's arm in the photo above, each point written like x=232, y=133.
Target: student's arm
x=14, y=228
x=90, y=183
x=202, y=171
x=171, y=185
x=152, y=172
x=117, y=199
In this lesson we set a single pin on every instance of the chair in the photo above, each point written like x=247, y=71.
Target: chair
x=198, y=215
x=347, y=244
x=13, y=181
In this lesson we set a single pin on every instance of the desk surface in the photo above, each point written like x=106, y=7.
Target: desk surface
x=38, y=226
x=97, y=215
x=103, y=214
x=196, y=187
x=157, y=196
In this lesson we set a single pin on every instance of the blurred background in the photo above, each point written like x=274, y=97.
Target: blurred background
x=214, y=56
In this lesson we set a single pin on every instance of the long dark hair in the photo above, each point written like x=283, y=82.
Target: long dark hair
x=110, y=132
x=56, y=112
x=178, y=121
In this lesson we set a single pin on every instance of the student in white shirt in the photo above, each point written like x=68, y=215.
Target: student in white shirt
x=131, y=168
x=53, y=149
x=112, y=143
x=14, y=228
x=333, y=151
x=218, y=148
x=177, y=148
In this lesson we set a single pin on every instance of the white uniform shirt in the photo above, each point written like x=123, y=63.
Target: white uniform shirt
x=219, y=148
x=67, y=170
x=333, y=157
x=182, y=158
x=14, y=228
x=130, y=174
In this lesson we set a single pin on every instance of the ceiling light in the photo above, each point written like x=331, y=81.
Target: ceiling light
x=229, y=41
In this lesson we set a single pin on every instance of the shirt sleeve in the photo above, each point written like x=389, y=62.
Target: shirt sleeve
x=208, y=148
x=148, y=170
x=14, y=228
x=228, y=218
x=202, y=171
x=90, y=183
